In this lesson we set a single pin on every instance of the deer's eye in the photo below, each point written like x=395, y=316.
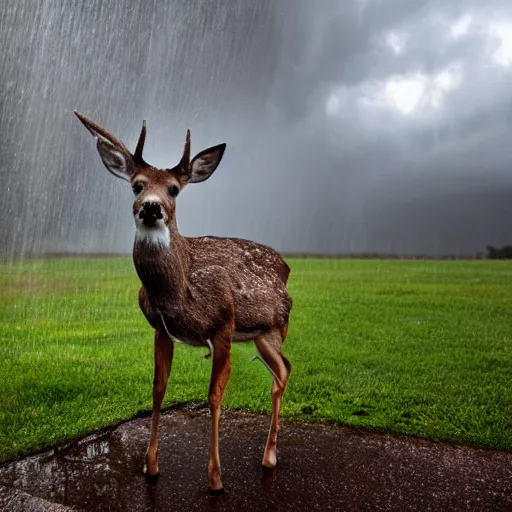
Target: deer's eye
x=173, y=190
x=137, y=187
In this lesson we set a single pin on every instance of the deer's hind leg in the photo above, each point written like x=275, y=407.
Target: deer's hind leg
x=268, y=346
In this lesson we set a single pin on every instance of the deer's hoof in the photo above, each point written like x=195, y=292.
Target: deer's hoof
x=153, y=479
x=269, y=460
x=268, y=466
x=149, y=477
x=216, y=492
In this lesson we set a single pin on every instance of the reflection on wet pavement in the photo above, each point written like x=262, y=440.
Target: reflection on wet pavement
x=320, y=468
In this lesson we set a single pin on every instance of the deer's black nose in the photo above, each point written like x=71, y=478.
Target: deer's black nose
x=150, y=212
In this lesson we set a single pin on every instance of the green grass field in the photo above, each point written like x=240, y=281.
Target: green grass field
x=413, y=347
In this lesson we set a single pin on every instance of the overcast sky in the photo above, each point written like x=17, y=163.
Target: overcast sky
x=351, y=125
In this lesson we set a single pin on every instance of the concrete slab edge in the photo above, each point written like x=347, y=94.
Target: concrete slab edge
x=14, y=500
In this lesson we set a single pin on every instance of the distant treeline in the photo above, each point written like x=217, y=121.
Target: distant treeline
x=505, y=253
x=493, y=253
x=384, y=256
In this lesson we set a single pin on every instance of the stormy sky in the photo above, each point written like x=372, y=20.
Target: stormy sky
x=351, y=125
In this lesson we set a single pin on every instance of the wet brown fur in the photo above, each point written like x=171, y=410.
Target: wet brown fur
x=202, y=283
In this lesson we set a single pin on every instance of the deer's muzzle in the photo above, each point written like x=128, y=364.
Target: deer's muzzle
x=150, y=212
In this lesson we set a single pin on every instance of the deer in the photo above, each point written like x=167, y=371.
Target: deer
x=205, y=291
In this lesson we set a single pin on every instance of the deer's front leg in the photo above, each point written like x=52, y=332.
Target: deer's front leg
x=221, y=368
x=164, y=347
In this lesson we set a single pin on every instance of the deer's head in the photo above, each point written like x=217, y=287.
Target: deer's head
x=155, y=190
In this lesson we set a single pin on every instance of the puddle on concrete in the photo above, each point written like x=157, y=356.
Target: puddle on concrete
x=320, y=468
x=96, y=449
x=89, y=450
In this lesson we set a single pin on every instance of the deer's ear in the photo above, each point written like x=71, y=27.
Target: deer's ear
x=115, y=160
x=205, y=162
x=114, y=154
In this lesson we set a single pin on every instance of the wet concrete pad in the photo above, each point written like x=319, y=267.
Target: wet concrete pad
x=320, y=468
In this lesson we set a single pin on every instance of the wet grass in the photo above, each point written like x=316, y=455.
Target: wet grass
x=413, y=347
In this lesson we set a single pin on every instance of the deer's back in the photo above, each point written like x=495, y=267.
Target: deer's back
x=238, y=256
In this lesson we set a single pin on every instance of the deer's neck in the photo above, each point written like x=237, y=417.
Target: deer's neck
x=164, y=271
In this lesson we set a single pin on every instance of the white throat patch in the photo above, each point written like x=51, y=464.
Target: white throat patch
x=158, y=235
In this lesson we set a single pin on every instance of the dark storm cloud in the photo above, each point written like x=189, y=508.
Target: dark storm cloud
x=363, y=125
x=434, y=150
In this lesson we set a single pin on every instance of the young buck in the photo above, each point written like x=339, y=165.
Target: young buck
x=204, y=291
